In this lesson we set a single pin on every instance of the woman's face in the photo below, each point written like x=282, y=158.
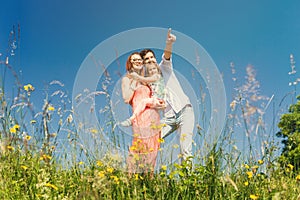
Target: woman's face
x=137, y=62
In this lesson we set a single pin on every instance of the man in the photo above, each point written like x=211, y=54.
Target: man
x=179, y=114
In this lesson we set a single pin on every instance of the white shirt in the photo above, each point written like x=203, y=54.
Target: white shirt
x=176, y=98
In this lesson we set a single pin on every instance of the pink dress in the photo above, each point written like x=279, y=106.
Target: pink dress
x=146, y=133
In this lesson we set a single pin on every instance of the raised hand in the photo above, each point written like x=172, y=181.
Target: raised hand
x=170, y=37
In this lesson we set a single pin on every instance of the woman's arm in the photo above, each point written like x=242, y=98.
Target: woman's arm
x=128, y=86
x=149, y=79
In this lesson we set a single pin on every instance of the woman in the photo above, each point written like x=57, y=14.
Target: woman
x=146, y=126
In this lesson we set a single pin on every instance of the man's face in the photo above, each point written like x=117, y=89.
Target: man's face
x=149, y=58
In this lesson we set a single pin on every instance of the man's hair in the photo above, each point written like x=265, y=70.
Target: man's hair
x=145, y=51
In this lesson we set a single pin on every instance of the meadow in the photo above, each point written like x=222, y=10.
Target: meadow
x=34, y=166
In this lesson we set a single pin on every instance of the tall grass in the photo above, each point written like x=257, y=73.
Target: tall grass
x=37, y=164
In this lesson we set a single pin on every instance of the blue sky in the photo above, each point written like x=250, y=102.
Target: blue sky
x=56, y=35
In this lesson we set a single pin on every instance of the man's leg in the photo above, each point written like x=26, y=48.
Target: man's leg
x=169, y=126
x=187, y=120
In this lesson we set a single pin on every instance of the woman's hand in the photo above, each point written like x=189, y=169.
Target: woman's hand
x=134, y=75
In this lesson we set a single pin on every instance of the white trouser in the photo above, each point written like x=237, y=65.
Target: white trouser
x=183, y=122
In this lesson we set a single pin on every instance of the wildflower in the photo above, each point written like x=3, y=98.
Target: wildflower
x=246, y=183
x=14, y=129
x=110, y=169
x=260, y=162
x=161, y=140
x=290, y=166
x=164, y=167
x=28, y=87
x=45, y=157
x=51, y=108
x=94, y=131
x=99, y=163
x=51, y=186
x=81, y=163
x=298, y=177
x=250, y=174
x=101, y=174
x=27, y=137
x=141, y=165
x=246, y=166
x=136, y=176
x=33, y=121
x=116, y=179
x=132, y=148
x=10, y=147
x=254, y=197
x=151, y=149
x=136, y=157
x=24, y=167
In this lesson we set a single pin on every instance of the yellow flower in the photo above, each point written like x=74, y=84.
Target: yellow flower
x=110, y=169
x=99, y=163
x=51, y=108
x=81, y=163
x=290, y=166
x=250, y=174
x=260, y=162
x=51, y=186
x=101, y=174
x=298, y=177
x=33, y=121
x=24, y=167
x=164, y=167
x=151, y=149
x=10, y=147
x=94, y=131
x=246, y=166
x=161, y=140
x=116, y=179
x=136, y=157
x=136, y=176
x=27, y=137
x=132, y=148
x=246, y=183
x=45, y=157
x=14, y=129
x=254, y=197
x=28, y=87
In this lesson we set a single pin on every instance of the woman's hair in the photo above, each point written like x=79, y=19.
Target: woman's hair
x=151, y=64
x=129, y=65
